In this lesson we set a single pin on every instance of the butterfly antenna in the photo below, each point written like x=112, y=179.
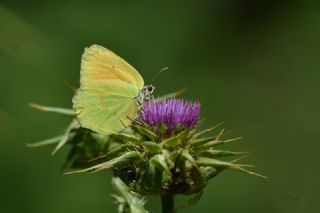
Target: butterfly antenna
x=162, y=70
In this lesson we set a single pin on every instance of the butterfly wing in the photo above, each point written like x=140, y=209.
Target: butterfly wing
x=99, y=63
x=105, y=100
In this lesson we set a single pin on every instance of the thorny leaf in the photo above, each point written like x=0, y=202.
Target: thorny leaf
x=123, y=160
x=73, y=125
x=57, y=110
x=49, y=141
x=127, y=200
x=221, y=165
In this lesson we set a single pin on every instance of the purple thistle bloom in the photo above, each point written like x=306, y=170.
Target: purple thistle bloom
x=171, y=113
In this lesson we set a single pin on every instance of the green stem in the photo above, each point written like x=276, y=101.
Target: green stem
x=167, y=202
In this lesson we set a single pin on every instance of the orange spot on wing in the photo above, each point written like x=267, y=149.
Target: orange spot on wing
x=78, y=111
x=101, y=99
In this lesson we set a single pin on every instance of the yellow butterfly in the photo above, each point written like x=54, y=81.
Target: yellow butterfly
x=110, y=92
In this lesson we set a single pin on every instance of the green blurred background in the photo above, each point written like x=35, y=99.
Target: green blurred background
x=253, y=64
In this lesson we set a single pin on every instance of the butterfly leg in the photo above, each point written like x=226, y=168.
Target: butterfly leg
x=123, y=124
x=134, y=121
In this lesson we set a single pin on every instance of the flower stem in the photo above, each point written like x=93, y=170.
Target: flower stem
x=167, y=202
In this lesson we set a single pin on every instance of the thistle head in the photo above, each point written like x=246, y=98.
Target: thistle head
x=170, y=115
x=162, y=153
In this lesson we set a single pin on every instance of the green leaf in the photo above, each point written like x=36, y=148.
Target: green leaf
x=171, y=142
x=175, y=141
x=159, y=161
x=123, y=160
x=127, y=200
x=148, y=177
x=118, y=150
x=208, y=172
x=162, y=130
x=49, y=141
x=198, y=142
x=74, y=124
x=202, y=161
x=220, y=153
x=87, y=148
x=58, y=110
x=221, y=165
x=126, y=137
x=145, y=132
x=207, y=144
x=187, y=156
x=194, y=199
x=152, y=147
x=197, y=135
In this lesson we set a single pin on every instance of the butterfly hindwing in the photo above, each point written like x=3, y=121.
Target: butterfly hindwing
x=104, y=114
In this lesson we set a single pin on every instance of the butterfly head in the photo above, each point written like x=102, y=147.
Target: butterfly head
x=150, y=88
x=145, y=94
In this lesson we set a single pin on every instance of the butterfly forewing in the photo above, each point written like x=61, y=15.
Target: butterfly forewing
x=105, y=100
x=99, y=63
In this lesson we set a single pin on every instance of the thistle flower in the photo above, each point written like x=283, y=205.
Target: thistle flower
x=162, y=154
x=175, y=115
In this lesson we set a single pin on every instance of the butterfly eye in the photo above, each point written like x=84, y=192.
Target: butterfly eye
x=150, y=88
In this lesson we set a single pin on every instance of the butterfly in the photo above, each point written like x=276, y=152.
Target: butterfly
x=111, y=91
